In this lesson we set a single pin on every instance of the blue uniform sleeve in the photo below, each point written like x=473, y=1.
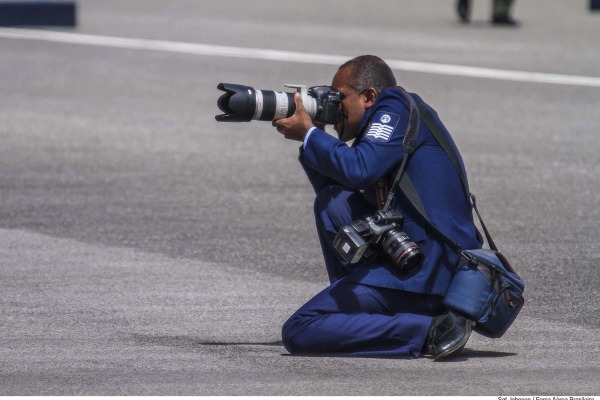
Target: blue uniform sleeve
x=316, y=179
x=378, y=149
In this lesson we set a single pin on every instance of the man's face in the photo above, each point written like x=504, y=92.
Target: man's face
x=352, y=108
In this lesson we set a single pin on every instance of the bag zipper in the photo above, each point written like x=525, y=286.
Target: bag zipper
x=501, y=290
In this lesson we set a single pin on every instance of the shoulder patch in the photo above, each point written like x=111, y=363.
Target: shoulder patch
x=382, y=126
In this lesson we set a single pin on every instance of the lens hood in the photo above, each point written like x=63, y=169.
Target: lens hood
x=238, y=103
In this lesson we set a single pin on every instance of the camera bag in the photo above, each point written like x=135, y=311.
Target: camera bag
x=485, y=288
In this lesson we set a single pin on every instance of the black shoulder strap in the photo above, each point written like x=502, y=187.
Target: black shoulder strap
x=413, y=197
x=410, y=144
x=443, y=141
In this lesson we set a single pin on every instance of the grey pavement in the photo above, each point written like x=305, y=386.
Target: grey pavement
x=147, y=249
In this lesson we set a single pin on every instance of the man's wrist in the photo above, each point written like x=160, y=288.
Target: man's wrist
x=308, y=135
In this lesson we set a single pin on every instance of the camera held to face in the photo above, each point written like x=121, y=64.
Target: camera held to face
x=242, y=103
x=354, y=241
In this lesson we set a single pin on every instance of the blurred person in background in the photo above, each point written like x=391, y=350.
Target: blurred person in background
x=500, y=12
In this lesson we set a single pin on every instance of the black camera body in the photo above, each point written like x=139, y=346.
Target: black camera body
x=242, y=103
x=328, y=104
x=356, y=240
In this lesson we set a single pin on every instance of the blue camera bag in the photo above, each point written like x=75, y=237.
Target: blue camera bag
x=486, y=290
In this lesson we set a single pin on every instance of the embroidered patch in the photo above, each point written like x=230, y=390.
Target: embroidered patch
x=383, y=126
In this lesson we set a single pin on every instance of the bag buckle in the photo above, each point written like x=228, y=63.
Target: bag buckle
x=470, y=258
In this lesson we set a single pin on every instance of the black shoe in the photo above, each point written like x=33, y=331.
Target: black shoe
x=448, y=335
x=462, y=9
x=505, y=20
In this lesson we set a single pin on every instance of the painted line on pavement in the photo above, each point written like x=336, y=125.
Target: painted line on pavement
x=292, y=56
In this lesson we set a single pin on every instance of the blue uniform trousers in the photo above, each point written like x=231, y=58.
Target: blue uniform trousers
x=349, y=316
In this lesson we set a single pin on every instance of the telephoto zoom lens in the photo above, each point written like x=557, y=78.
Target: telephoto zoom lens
x=242, y=103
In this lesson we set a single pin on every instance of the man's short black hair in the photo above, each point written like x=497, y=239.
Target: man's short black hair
x=369, y=71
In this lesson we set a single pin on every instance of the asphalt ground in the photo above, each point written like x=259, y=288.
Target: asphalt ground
x=146, y=249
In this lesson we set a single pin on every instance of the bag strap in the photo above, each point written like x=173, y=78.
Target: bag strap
x=487, y=234
x=413, y=197
x=410, y=144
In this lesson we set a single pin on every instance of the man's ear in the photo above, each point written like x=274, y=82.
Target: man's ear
x=370, y=97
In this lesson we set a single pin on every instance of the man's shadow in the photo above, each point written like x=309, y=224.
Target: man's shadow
x=190, y=342
x=184, y=341
x=464, y=356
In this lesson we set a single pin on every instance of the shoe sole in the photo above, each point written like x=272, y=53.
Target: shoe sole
x=456, y=350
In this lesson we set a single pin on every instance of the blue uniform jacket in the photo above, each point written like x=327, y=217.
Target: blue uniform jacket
x=375, y=154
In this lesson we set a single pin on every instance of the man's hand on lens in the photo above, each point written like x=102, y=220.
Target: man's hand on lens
x=296, y=126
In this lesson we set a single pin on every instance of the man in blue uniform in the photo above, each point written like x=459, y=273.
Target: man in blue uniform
x=371, y=307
